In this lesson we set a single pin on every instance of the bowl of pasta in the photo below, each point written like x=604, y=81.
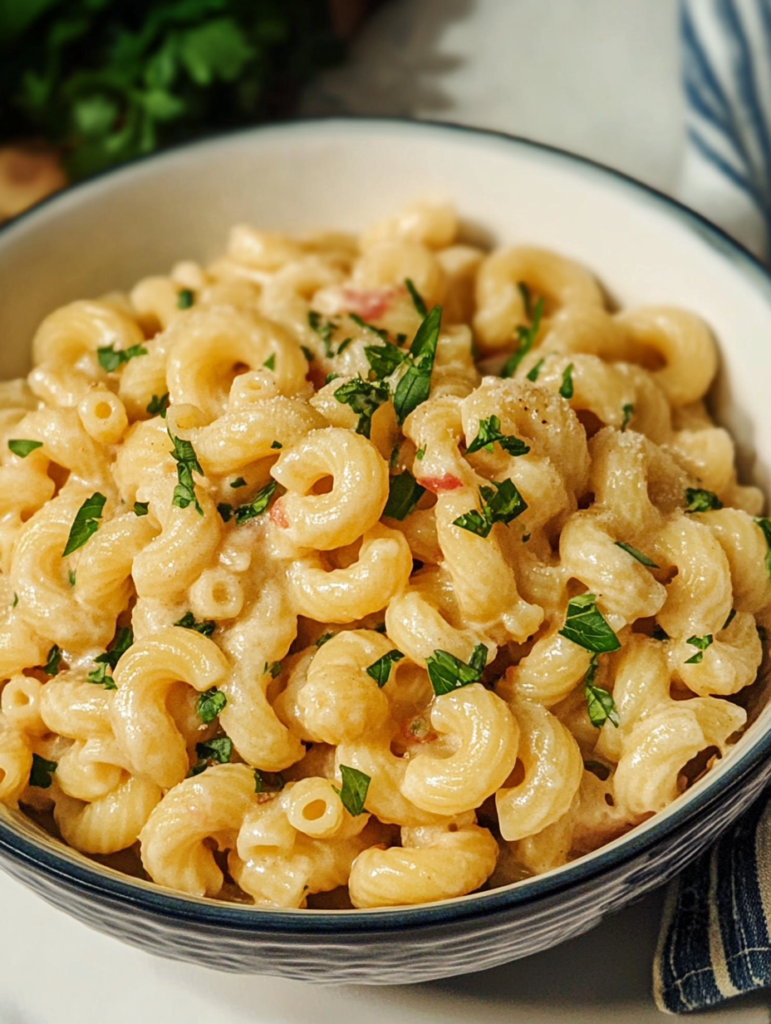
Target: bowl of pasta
x=384, y=572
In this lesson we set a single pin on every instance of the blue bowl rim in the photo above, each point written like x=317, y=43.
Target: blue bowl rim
x=110, y=885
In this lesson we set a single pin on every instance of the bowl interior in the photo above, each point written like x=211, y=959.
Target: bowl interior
x=343, y=174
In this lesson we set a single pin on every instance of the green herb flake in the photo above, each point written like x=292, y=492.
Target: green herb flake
x=275, y=445
x=274, y=669
x=72, y=577
x=187, y=463
x=526, y=337
x=729, y=620
x=22, y=448
x=527, y=298
x=257, y=505
x=385, y=358
x=53, y=666
x=702, y=642
x=448, y=673
x=534, y=372
x=417, y=300
x=566, y=387
x=111, y=358
x=110, y=659
x=602, y=771
x=600, y=705
x=393, y=460
x=628, y=411
x=210, y=704
x=380, y=670
x=699, y=500
x=324, y=638
x=141, y=508
x=659, y=634
x=217, y=751
x=379, y=331
x=323, y=328
x=501, y=503
x=364, y=399
x=185, y=298
x=415, y=386
x=404, y=493
x=268, y=782
x=343, y=346
x=641, y=558
x=585, y=626
x=188, y=621
x=354, y=789
x=225, y=511
x=158, y=405
x=15, y=599
x=42, y=770
x=765, y=525
x=307, y=353
x=490, y=433
x=270, y=362
x=238, y=482
x=420, y=454
x=86, y=523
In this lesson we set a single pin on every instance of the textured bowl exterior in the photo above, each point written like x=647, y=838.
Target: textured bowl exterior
x=397, y=945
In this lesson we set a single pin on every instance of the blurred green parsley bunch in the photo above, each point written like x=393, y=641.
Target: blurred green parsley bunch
x=107, y=80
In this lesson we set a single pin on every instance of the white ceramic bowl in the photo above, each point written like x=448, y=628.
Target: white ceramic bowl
x=645, y=249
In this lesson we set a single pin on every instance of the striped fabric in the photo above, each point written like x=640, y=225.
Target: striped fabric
x=715, y=940
x=727, y=81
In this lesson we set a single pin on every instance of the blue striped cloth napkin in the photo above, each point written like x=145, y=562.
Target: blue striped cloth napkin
x=715, y=939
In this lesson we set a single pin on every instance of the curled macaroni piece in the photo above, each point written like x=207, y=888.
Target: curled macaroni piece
x=548, y=673
x=287, y=293
x=355, y=502
x=486, y=736
x=591, y=330
x=746, y=548
x=208, y=807
x=103, y=416
x=20, y=646
x=432, y=224
x=433, y=863
x=207, y=346
x=619, y=480
x=500, y=306
x=72, y=707
x=330, y=697
x=105, y=566
x=15, y=764
x=67, y=444
x=700, y=596
x=144, y=677
x=381, y=571
x=64, y=348
x=86, y=770
x=460, y=264
x=391, y=261
x=552, y=766
x=419, y=628
x=685, y=344
x=20, y=705
x=436, y=429
x=708, y=455
x=156, y=302
x=111, y=822
x=730, y=663
x=590, y=554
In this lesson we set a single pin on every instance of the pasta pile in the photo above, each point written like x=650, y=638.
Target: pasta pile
x=382, y=568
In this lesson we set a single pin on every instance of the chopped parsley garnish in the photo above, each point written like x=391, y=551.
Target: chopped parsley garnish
x=111, y=358
x=490, y=433
x=448, y=673
x=525, y=340
x=600, y=705
x=141, y=508
x=602, y=771
x=369, y=327
x=187, y=462
x=501, y=503
x=343, y=346
x=239, y=481
x=729, y=620
x=22, y=448
x=404, y=493
x=533, y=373
x=384, y=358
x=188, y=621
x=257, y=505
x=42, y=770
x=658, y=633
x=209, y=705
x=158, y=405
x=566, y=387
x=72, y=577
x=417, y=299
x=702, y=642
x=225, y=511
x=699, y=500
x=86, y=523
x=110, y=659
x=274, y=669
x=324, y=638
x=354, y=789
x=330, y=377
x=641, y=558
x=364, y=399
x=527, y=298
x=628, y=411
x=268, y=782
x=380, y=670
x=323, y=328
x=15, y=599
x=765, y=525
x=393, y=460
x=185, y=298
x=53, y=666
x=270, y=362
x=585, y=626
x=420, y=454
x=275, y=445
x=415, y=386
x=307, y=353
x=218, y=751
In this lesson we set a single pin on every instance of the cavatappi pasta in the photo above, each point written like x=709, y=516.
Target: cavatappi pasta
x=381, y=568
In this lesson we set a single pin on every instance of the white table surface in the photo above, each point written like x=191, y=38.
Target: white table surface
x=599, y=77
